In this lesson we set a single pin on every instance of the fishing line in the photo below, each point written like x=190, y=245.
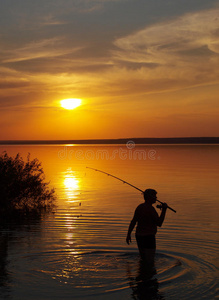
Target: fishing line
x=135, y=187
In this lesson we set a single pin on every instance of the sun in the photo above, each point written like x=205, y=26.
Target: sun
x=70, y=103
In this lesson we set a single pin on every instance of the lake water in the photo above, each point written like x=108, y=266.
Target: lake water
x=80, y=251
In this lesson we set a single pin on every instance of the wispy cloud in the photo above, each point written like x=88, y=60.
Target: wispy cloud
x=51, y=20
x=87, y=6
x=185, y=48
x=51, y=47
x=160, y=41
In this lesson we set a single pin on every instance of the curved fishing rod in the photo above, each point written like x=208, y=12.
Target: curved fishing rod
x=128, y=184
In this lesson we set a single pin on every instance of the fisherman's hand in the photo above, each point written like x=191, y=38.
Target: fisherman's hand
x=164, y=206
x=128, y=239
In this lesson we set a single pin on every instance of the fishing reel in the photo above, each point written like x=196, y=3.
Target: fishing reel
x=159, y=206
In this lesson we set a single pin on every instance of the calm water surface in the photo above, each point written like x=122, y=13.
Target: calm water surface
x=80, y=251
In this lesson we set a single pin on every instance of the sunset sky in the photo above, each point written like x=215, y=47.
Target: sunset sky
x=142, y=68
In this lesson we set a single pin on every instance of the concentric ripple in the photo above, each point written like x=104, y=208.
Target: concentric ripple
x=96, y=273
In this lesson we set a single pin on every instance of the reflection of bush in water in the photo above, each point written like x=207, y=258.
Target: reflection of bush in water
x=23, y=189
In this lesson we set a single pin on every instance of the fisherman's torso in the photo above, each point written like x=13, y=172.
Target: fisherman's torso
x=147, y=219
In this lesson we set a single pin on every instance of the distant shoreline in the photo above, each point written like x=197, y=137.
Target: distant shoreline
x=178, y=140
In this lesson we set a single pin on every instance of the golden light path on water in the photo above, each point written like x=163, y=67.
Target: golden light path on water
x=71, y=185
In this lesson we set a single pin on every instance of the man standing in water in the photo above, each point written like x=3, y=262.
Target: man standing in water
x=147, y=220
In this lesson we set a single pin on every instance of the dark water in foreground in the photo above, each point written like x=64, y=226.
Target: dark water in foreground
x=80, y=251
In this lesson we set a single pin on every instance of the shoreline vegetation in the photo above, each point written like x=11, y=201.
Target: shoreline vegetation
x=137, y=141
x=24, y=191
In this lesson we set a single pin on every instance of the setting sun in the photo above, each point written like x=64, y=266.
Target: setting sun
x=70, y=103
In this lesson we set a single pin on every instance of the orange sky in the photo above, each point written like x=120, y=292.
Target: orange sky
x=141, y=71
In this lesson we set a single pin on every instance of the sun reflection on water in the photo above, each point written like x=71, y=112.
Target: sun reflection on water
x=71, y=185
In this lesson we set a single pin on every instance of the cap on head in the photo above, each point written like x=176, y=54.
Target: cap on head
x=149, y=193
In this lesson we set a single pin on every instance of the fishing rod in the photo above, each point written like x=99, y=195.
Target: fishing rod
x=135, y=187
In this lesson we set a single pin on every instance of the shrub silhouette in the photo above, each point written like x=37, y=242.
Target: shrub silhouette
x=22, y=186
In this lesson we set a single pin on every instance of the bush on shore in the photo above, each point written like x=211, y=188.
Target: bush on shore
x=23, y=189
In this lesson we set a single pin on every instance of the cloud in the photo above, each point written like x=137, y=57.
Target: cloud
x=50, y=20
x=87, y=6
x=51, y=47
x=12, y=82
x=185, y=48
x=161, y=40
x=6, y=84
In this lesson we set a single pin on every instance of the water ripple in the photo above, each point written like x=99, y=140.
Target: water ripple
x=102, y=272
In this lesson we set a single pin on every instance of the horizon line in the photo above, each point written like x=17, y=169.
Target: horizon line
x=137, y=140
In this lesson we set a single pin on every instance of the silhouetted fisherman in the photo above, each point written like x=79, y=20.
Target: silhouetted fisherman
x=147, y=220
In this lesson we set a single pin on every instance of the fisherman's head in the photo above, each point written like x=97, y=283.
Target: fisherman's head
x=150, y=195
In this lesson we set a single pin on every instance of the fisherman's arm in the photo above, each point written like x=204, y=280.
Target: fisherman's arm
x=162, y=215
x=131, y=227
